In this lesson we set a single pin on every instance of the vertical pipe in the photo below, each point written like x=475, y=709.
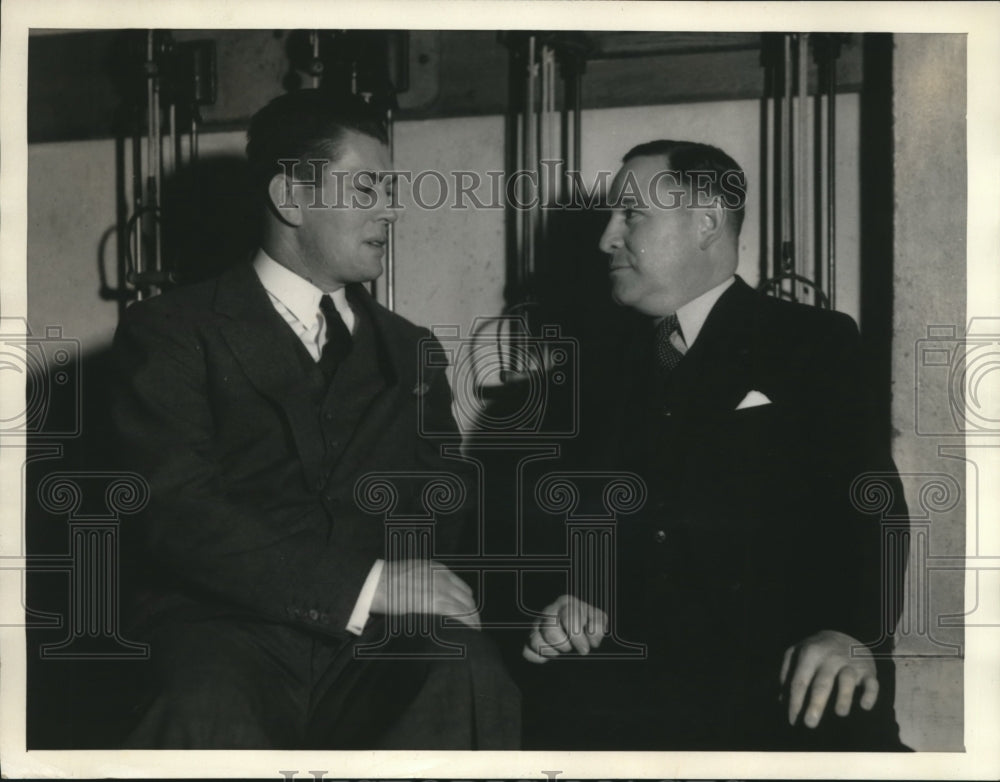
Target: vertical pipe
x=557, y=152
x=564, y=134
x=544, y=150
x=172, y=161
x=194, y=136
x=577, y=117
x=314, y=43
x=138, y=200
x=831, y=188
x=819, y=179
x=530, y=162
x=766, y=161
x=787, y=200
x=512, y=157
x=154, y=174
x=777, y=157
x=390, y=247
x=802, y=134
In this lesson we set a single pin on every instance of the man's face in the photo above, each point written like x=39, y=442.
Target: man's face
x=344, y=229
x=656, y=263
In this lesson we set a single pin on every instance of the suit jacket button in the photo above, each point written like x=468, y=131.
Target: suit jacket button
x=660, y=536
x=324, y=618
x=314, y=615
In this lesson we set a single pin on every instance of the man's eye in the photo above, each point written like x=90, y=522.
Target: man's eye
x=631, y=212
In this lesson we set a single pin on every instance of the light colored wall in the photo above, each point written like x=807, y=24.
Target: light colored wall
x=71, y=206
x=929, y=110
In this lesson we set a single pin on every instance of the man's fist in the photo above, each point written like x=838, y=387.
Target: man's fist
x=812, y=667
x=567, y=624
x=422, y=586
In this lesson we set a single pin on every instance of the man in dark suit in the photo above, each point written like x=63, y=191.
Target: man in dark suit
x=749, y=575
x=254, y=404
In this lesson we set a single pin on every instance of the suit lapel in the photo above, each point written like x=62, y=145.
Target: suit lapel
x=717, y=371
x=399, y=374
x=258, y=338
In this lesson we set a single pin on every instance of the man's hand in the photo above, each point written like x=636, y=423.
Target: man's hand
x=569, y=624
x=422, y=586
x=819, y=662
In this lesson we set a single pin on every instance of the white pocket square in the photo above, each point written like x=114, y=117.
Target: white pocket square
x=753, y=399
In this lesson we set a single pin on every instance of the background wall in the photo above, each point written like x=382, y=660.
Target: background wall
x=929, y=223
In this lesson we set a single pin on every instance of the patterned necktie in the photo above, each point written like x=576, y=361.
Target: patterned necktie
x=668, y=353
x=338, y=338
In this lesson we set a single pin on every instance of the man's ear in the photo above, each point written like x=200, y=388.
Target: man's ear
x=712, y=222
x=281, y=198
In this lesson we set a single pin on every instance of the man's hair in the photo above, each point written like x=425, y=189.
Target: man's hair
x=305, y=124
x=719, y=175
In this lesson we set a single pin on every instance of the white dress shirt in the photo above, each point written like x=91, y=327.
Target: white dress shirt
x=692, y=316
x=297, y=301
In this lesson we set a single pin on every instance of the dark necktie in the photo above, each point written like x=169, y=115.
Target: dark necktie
x=338, y=338
x=667, y=353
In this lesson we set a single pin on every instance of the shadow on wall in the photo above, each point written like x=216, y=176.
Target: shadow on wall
x=210, y=220
x=81, y=695
x=82, y=674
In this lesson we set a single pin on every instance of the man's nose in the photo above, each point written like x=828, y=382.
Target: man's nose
x=611, y=239
x=388, y=209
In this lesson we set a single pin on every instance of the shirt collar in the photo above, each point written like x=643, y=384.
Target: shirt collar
x=299, y=295
x=692, y=316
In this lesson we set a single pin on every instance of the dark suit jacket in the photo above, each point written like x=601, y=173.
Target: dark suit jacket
x=748, y=541
x=247, y=513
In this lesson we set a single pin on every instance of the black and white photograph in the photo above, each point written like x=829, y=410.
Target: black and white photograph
x=541, y=390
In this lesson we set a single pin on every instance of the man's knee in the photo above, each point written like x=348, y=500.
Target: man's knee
x=214, y=686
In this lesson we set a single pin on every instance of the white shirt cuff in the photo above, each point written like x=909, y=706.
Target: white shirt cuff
x=362, y=608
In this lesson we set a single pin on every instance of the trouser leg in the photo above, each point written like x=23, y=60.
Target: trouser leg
x=224, y=684
x=417, y=696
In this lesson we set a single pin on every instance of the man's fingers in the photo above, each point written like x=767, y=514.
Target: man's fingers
x=869, y=692
x=786, y=664
x=572, y=620
x=597, y=627
x=541, y=646
x=532, y=656
x=819, y=694
x=553, y=635
x=797, y=690
x=847, y=681
x=802, y=675
x=566, y=625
